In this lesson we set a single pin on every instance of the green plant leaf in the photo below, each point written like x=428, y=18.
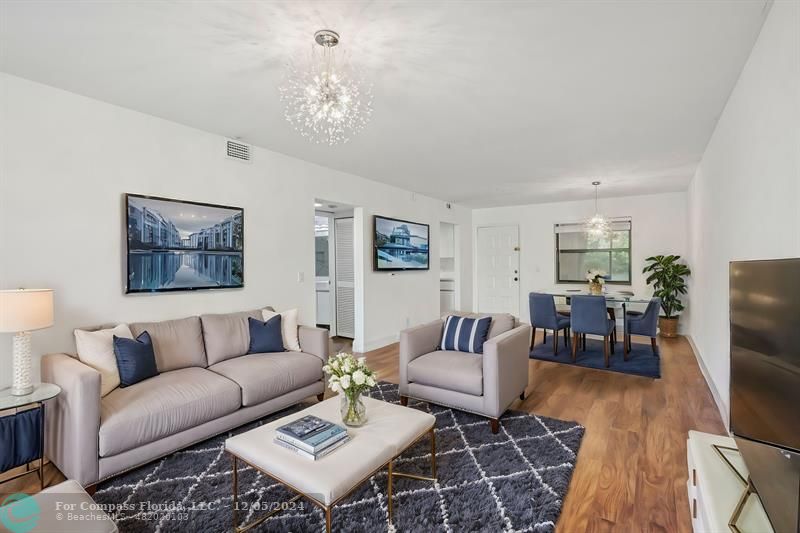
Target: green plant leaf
x=666, y=275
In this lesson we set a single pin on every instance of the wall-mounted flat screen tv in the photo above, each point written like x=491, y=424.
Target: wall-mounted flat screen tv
x=176, y=245
x=765, y=381
x=401, y=245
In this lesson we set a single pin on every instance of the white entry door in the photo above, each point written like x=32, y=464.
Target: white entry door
x=498, y=270
x=345, y=278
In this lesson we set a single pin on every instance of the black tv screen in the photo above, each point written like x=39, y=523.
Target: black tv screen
x=401, y=245
x=176, y=245
x=765, y=382
x=765, y=351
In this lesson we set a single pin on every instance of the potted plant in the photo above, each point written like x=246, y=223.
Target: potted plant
x=667, y=277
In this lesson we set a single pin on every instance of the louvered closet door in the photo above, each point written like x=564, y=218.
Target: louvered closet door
x=345, y=280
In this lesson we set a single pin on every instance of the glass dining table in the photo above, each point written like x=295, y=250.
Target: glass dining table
x=614, y=300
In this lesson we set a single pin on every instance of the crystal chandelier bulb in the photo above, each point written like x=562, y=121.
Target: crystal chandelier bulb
x=598, y=225
x=325, y=102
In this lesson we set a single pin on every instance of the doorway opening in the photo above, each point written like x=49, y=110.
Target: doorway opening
x=449, y=268
x=334, y=271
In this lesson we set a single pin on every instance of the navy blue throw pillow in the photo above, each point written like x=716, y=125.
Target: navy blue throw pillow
x=266, y=337
x=462, y=334
x=136, y=359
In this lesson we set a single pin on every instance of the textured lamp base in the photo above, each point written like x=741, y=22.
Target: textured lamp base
x=21, y=384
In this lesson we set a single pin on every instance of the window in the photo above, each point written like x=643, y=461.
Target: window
x=578, y=251
x=321, y=234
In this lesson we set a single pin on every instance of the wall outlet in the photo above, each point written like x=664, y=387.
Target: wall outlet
x=300, y=277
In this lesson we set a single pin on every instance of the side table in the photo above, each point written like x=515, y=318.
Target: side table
x=41, y=393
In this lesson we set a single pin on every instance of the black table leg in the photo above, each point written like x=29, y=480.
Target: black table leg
x=625, y=346
x=41, y=449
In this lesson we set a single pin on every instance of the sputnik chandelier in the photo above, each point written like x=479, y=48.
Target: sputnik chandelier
x=326, y=101
x=598, y=225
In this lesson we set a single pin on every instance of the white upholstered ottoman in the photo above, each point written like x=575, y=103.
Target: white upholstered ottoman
x=389, y=431
x=62, y=508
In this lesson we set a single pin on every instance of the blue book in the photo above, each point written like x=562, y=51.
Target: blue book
x=311, y=434
x=304, y=426
x=312, y=456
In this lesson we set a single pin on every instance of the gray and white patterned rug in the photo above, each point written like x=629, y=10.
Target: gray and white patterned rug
x=513, y=481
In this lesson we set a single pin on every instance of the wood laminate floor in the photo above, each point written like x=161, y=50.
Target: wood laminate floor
x=631, y=469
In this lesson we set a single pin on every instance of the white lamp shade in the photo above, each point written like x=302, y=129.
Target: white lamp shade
x=25, y=309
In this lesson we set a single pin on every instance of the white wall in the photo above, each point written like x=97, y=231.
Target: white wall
x=66, y=160
x=658, y=226
x=744, y=198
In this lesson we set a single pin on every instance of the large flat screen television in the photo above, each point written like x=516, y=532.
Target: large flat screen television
x=401, y=245
x=176, y=245
x=765, y=381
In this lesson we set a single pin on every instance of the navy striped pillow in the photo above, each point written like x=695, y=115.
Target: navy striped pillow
x=462, y=334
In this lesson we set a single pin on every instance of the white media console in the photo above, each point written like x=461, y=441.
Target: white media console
x=717, y=481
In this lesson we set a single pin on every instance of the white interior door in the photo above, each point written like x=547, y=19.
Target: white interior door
x=345, y=278
x=498, y=269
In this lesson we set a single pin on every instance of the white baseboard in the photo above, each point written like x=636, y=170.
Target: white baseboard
x=374, y=344
x=723, y=410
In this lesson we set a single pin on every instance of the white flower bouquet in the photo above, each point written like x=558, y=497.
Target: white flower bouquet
x=596, y=279
x=350, y=377
x=596, y=276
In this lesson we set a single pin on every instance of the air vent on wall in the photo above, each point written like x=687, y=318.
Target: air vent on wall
x=237, y=150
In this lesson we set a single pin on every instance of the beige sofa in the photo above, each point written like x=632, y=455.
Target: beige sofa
x=206, y=385
x=484, y=384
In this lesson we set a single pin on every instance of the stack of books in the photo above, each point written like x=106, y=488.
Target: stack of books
x=311, y=437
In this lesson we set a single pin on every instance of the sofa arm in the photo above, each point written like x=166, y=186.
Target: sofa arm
x=417, y=341
x=505, y=369
x=314, y=341
x=72, y=419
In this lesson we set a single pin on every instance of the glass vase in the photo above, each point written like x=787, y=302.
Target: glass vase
x=595, y=288
x=353, y=410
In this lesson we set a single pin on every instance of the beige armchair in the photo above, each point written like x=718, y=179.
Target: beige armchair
x=484, y=384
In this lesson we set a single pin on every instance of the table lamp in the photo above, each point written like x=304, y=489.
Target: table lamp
x=22, y=311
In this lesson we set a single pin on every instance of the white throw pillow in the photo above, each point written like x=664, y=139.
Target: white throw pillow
x=288, y=327
x=96, y=349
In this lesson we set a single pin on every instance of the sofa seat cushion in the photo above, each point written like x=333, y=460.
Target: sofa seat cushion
x=455, y=371
x=162, y=406
x=263, y=376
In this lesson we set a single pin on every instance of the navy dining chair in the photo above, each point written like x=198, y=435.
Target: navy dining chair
x=646, y=324
x=590, y=317
x=544, y=315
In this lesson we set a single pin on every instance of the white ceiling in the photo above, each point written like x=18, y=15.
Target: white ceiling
x=481, y=103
